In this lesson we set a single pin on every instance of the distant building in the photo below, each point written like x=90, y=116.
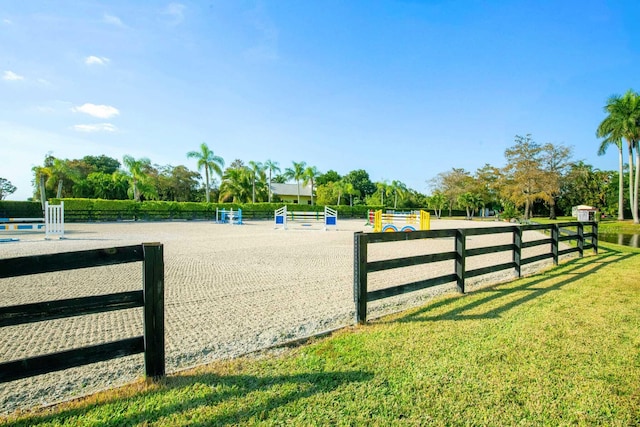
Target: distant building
x=288, y=193
x=584, y=213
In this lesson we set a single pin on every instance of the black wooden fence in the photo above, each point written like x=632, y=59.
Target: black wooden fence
x=151, y=297
x=558, y=233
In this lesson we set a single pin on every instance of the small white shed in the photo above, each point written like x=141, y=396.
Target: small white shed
x=584, y=213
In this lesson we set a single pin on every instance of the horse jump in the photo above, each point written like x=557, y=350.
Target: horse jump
x=53, y=222
x=390, y=222
x=329, y=217
x=230, y=216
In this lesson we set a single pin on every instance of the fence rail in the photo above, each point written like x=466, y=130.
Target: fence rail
x=151, y=297
x=559, y=233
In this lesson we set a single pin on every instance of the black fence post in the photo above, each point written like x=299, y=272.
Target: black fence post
x=580, y=239
x=555, y=235
x=360, y=276
x=461, y=248
x=517, y=251
x=153, y=277
x=594, y=239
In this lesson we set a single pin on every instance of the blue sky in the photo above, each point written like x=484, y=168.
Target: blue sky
x=402, y=89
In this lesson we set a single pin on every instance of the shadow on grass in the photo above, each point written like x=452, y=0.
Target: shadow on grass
x=531, y=288
x=178, y=396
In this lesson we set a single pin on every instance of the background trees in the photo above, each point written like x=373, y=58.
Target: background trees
x=535, y=176
x=452, y=184
x=623, y=122
x=237, y=183
x=523, y=178
x=6, y=188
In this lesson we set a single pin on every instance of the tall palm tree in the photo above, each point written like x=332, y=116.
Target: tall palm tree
x=383, y=189
x=209, y=161
x=623, y=122
x=603, y=148
x=311, y=174
x=256, y=168
x=297, y=173
x=138, y=176
x=272, y=167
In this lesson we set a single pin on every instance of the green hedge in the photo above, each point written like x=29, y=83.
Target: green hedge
x=15, y=209
x=84, y=210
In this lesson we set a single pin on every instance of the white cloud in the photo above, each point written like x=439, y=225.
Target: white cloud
x=100, y=111
x=175, y=11
x=11, y=76
x=112, y=20
x=98, y=127
x=7, y=21
x=99, y=60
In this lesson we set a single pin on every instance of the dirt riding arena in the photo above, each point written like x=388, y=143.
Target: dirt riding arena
x=229, y=290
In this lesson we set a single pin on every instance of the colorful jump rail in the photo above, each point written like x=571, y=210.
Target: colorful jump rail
x=394, y=222
x=329, y=217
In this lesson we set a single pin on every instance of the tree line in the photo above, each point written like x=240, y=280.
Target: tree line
x=537, y=178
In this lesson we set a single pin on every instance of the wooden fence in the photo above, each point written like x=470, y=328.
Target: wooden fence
x=558, y=233
x=151, y=297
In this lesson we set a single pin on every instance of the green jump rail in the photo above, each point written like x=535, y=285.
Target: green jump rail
x=151, y=297
x=459, y=254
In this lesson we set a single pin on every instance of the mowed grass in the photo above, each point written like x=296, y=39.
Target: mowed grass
x=557, y=348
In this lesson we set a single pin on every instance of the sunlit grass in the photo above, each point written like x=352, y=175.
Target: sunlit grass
x=557, y=348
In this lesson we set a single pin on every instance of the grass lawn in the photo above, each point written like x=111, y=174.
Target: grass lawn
x=557, y=348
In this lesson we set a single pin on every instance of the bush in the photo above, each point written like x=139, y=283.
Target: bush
x=15, y=209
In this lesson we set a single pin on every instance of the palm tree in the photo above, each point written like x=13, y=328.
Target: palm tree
x=383, y=189
x=272, y=167
x=256, y=168
x=437, y=201
x=340, y=187
x=351, y=191
x=347, y=188
x=311, y=173
x=41, y=175
x=209, y=161
x=623, y=122
x=601, y=151
x=399, y=190
x=296, y=173
x=236, y=183
x=60, y=171
x=138, y=176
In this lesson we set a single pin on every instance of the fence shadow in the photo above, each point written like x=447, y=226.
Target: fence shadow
x=184, y=394
x=531, y=288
